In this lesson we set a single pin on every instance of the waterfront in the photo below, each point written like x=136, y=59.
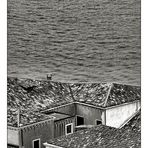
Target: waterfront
x=78, y=40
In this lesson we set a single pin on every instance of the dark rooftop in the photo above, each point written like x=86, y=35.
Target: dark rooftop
x=29, y=95
x=104, y=137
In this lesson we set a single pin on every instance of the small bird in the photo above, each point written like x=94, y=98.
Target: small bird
x=49, y=76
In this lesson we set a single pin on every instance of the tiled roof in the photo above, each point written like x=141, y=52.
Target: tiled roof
x=134, y=124
x=94, y=94
x=105, y=94
x=36, y=95
x=31, y=95
x=59, y=116
x=121, y=93
x=26, y=117
x=103, y=137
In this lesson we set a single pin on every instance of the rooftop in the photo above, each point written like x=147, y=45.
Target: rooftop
x=34, y=96
x=26, y=117
x=104, y=136
x=59, y=116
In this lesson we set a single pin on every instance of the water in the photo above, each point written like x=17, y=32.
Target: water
x=78, y=40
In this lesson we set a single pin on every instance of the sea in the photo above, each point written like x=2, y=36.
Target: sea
x=75, y=40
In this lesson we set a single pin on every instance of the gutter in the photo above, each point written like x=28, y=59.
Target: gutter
x=50, y=109
x=47, y=145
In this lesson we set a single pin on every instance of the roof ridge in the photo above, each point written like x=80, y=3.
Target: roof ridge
x=71, y=93
x=110, y=87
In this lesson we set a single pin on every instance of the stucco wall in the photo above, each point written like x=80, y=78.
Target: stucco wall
x=90, y=114
x=44, y=131
x=59, y=126
x=116, y=116
x=13, y=136
x=66, y=109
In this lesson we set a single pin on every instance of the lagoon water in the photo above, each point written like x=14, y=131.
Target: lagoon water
x=77, y=40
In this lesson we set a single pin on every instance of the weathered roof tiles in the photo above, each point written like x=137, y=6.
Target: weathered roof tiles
x=103, y=136
x=35, y=95
x=121, y=93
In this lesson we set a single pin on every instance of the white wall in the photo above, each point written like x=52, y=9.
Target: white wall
x=13, y=136
x=117, y=115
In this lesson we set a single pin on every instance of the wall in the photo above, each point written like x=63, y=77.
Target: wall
x=66, y=109
x=117, y=115
x=13, y=136
x=44, y=131
x=59, y=126
x=89, y=113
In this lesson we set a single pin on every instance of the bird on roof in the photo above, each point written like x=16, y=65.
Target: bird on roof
x=49, y=76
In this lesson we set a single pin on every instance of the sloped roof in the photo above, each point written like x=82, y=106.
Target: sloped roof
x=31, y=96
x=91, y=93
x=59, y=116
x=26, y=117
x=105, y=94
x=134, y=124
x=121, y=93
x=104, y=136
x=37, y=95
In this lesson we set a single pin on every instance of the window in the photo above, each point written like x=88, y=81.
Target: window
x=98, y=122
x=69, y=128
x=80, y=120
x=36, y=143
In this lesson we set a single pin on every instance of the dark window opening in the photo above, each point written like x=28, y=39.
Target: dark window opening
x=80, y=120
x=36, y=144
x=98, y=122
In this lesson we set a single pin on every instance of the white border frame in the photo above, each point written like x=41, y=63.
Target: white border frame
x=36, y=140
x=71, y=129
x=81, y=117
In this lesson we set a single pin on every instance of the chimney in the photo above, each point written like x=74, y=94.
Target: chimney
x=18, y=117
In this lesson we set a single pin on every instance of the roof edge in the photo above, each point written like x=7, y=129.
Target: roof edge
x=108, y=94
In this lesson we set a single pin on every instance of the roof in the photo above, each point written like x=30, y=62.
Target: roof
x=134, y=124
x=120, y=94
x=105, y=94
x=91, y=93
x=59, y=116
x=31, y=96
x=103, y=136
x=26, y=117
x=38, y=95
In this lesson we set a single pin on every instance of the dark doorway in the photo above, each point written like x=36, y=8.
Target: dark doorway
x=80, y=120
x=98, y=122
x=36, y=143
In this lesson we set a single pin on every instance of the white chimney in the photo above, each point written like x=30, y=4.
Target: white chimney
x=18, y=117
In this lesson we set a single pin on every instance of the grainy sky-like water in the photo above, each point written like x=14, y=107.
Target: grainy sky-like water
x=77, y=40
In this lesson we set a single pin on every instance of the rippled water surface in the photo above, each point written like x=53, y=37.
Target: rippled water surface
x=78, y=40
